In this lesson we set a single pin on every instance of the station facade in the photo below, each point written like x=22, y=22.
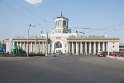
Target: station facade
x=62, y=40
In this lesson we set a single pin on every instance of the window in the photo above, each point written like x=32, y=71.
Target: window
x=56, y=23
x=64, y=23
x=60, y=22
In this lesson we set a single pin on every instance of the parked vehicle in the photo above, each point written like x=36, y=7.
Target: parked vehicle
x=118, y=53
x=103, y=54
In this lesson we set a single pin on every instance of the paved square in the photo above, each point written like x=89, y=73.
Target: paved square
x=60, y=69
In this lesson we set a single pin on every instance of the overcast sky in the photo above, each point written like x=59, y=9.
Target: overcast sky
x=93, y=17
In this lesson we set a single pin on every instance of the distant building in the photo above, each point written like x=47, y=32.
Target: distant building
x=121, y=47
x=61, y=40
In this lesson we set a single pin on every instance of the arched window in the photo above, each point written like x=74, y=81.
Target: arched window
x=58, y=44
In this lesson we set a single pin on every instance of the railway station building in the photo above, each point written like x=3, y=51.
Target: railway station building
x=62, y=40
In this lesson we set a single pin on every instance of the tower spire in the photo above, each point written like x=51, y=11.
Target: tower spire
x=61, y=14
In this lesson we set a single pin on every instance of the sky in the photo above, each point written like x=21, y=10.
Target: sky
x=93, y=17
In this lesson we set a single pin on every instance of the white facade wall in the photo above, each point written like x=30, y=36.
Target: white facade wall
x=113, y=46
x=61, y=38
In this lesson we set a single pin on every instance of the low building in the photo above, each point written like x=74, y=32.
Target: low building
x=62, y=40
x=121, y=47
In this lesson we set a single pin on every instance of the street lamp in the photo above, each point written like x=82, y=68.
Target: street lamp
x=28, y=39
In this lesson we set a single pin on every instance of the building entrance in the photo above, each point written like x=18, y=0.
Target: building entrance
x=58, y=47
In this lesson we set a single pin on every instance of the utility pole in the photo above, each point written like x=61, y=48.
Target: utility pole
x=47, y=44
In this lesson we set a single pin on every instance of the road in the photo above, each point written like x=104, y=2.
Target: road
x=60, y=69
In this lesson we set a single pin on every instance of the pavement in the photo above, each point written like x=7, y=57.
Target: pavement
x=109, y=62
x=61, y=69
x=12, y=58
x=116, y=57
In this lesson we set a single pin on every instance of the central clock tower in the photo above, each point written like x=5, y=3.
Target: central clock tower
x=61, y=25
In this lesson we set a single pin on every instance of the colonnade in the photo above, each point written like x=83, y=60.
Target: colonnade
x=34, y=47
x=87, y=47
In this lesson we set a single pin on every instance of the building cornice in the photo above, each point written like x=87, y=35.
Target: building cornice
x=93, y=39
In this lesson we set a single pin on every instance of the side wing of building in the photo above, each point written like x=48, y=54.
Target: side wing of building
x=87, y=45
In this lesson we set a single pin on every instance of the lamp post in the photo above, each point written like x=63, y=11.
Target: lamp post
x=28, y=39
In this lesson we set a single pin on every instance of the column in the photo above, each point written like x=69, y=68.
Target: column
x=108, y=46
x=25, y=46
x=21, y=44
x=77, y=48
x=28, y=47
x=72, y=48
x=85, y=47
x=89, y=47
x=103, y=48
x=68, y=48
x=80, y=47
x=35, y=46
x=17, y=43
x=31, y=47
x=94, y=48
x=39, y=46
x=98, y=46
x=44, y=47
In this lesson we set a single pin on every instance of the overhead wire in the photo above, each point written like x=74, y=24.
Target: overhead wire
x=26, y=16
x=106, y=29
x=16, y=11
x=110, y=27
x=45, y=22
x=34, y=14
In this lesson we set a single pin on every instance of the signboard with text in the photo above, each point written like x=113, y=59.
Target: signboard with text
x=58, y=37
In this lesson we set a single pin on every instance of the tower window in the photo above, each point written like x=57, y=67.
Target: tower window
x=56, y=23
x=64, y=23
x=60, y=22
